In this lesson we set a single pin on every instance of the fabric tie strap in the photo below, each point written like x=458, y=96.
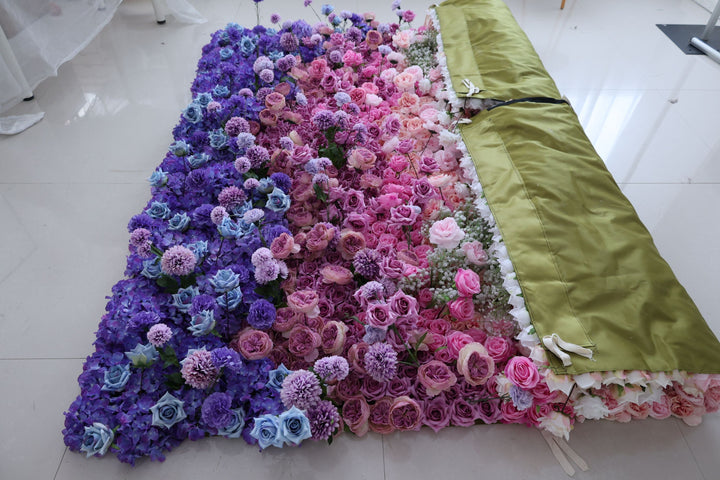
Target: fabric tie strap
x=557, y=446
x=556, y=345
x=472, y=89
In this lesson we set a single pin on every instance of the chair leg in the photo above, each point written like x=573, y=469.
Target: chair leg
x=159, y=11
x=562, y=5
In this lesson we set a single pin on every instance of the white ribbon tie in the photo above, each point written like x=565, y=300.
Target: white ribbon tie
x=558, y=347
x=472, y=89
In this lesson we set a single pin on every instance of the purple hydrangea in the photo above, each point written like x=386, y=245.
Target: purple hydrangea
x=216, y=411
x=225, y=357
x=236, y=125
x=381, y=362
x=261, y=315
x=300, y=389
x=324, y=119
x=257, y=155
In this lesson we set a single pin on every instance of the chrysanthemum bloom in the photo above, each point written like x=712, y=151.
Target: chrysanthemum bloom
x=332, y=368
x=178, y=260
x=301, y=389
x=324, y=420
x=231, y=196
x=159, y=334
x=218, y=214
x=381, y=362
x=367, y=263
x=199, y=370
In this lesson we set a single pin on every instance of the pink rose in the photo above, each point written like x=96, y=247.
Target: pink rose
x=336, y=274
x=498, y=348
x=712, y=399
x=283, y=245
x=352, y=58
x=252, y=344
x=661, y=410
x=304, y=343
x=403, y=305
x=467, y=282
x=355, y=413
x=436, y=377
x=405, y=81
x=403, y=38
x=373, y=38
x=380, y=416
x=522, y=372
x=319, y=237
x=268, y=117
x=475, y=253
x=304, y=301
x=462, y=308
x=362, y=159
x=333, y=337
x=286, y=319
x=456, y=341
x=446, y=233
x=357, y=95
x=405, y=414
x=510, y=414
x=275, y=101
x=356, y=356
x=404, y=215
x=379, y=315
x=475, y=364
x=425, y=296
x=638, y=412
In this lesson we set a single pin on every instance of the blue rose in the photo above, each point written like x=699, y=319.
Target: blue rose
x=221, y=91
x=116, y=377
x=248, y=45
x=158, y=178
x=278, y=201
x=167, y=411
x=218, y=139
x=226, y=53
x=231, y=299
x=245, y=228
x=203, y=99
x=142, y=355
x=151, y=268
x=202, y=323
x=96, y=440
x=180, y=148
x=179, y=222
x=225, y=280
x=234, y=430
x=266, y=185
x=199, y=248
x=276, y=377
x=193, y=113
x=239, y=210
x=294, y=426
x=198, y=159
x=267, y=431
x=275, y=55
x=159, y=210
x=228, y=228
x=182, y=300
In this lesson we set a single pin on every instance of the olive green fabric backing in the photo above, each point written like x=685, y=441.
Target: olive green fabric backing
x=485, y=46
x=588, y=268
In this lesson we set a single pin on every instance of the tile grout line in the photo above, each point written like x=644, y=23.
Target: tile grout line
x=60, y=463
x=692, y=454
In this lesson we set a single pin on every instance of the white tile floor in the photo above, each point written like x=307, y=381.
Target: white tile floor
x=69, y=185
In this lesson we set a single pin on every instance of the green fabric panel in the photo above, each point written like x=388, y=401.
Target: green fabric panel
x=588, y=268
x=484, y=43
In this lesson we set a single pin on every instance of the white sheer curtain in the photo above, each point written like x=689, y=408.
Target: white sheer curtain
x=43, y=34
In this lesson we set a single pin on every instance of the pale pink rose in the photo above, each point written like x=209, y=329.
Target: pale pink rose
x=498, y=348
x=415, y=71
x=403, y=38
x=405, y=414
x=304, y=301
x=446, y=233
x=475, y=364
x=253, y=344
x=275, y=101
x=336, y=274
x=712, y=399
x=408, y=100
x=456, y=341
x=405, y=81
x=380, y=416
x=467, y=282
x=362, y=159
x=333, y=337
x=414, y=126
x=355, y=413
x=462, y=308
x=522, y=372
x=356, y=356
x=475, y=253
x=436, y=377
x=283, y=245
x=661, y=410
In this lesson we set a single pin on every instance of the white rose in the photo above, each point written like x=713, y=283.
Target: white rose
x=557, y=424
x=446, y=233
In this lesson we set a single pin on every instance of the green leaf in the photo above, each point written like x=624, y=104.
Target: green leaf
x=334, y=153
x=188, y=280
x=330, y=440
x=420, y=340
x=174, y=381
x=167, y=355
x=320, y=193
x=168, y=284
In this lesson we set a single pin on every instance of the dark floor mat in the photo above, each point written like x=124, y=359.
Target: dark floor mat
x=681, y=35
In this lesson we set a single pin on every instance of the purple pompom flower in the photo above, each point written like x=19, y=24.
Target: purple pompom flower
x=218, y=214
x=178, y=260
x=301, y=389
x=324, y=420
x=159, y=334
x=332, y=369
x=199, y=370
x=381, y=362
x=367, y=263
x=231, y=196
x=242, y=164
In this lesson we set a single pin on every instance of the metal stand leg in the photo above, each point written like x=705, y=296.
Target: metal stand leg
x=7, y=54
x=159, y=7
x=700, y=44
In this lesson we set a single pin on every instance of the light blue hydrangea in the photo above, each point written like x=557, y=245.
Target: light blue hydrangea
x=202, y=323
x=179, y=222
x=327, y=9
x=158, y=178
x=225, y=280
x=142, y=355
x=168, y=411
x=97, y=439
x=116, y=377
x=230, y=300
